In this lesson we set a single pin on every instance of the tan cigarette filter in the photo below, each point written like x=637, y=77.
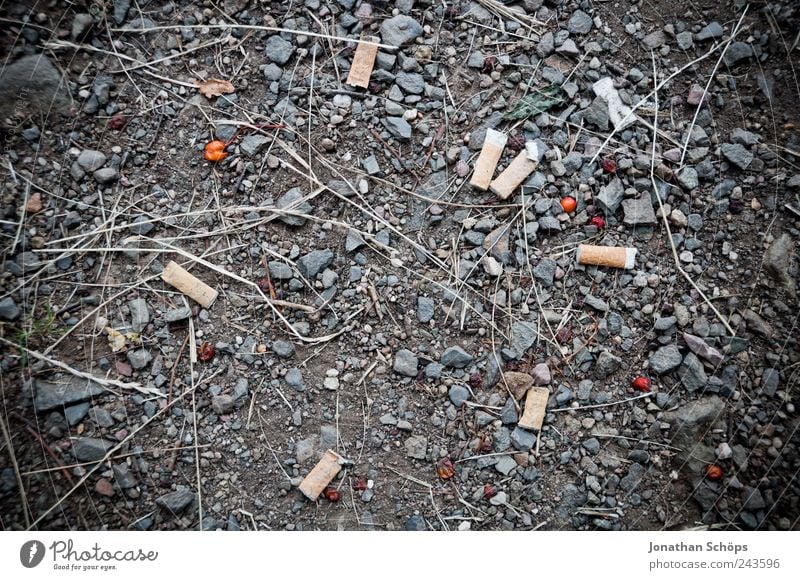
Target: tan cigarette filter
x=614, y=257
x=363, y=61
x=322, y=474
x=535, y=409
x=492, y=149
x=194, y=288
x=513, y=175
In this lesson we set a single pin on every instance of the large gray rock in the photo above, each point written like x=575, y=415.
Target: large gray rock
x=606, y=364
x=579, y=23
x=91, y=160
x=314, y=262
x=39, y=80
x=545, y=271
x=8, y=309
x=291, y=201
x=400, y=30
x=176, y=501
x=416, y=446
x=639, y=211
x=278, y=49
x=665, y=359
x=140, y=314
x=523, y=336
x=63, y=390
x=737, y=52
x=90, y=448
x=405, y=363
x=456, y=357
x=611, y=195
x=778, y=261
x=459, y=394
x=692, y=374
x=737, y=154
x=398, y=127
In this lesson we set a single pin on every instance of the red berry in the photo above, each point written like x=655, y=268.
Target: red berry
x=446, y=469
x=642, y=384
x=597, y=222
x=206, y=352
x=714, y=472
x=609, y=165
x=359, y=484
x=332, y=494
x=489, y=491
x=569, y=204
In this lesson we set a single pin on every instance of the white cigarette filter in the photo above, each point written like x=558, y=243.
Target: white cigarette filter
x=492, y=149
x=614, y=257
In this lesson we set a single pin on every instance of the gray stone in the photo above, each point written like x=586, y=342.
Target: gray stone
x=305, y=449
x=655, y=39
x=63, y=390
x=522, y=439
x=579, y=23
x=101, y=417
x=252, y=145
x=753, y=500
x=314, y=262
x=597, y=114
x=140, y=314
x=278, y=49
x=505, y=464
x=746, y=138
x=633, y=478
x=592, y=446
x=737, y=52
x=178, y=314
x=692, y=374
x=90, y=448
x=123, y=476
x=684, y=40
x=710, y=31
x=35, y=76
x=433, y=370
x=400, y=30
x=425, y=309
x=106, y=175
x=353, y=241
x=81, y=25
x=702, y=349
x=688, y=178
x=76, y=413
x=176, y=501
x=597, y=303
x=737, y=154
x=222, y=404
x=280, y=270
x=544, y=47
x=496, y=243
x=665, y=323
x=291, y=201
x=611, y=195
x=283, y=348
x=456, y=357
x=523, y=336
x=120, y=11
x=770, y=380
x=141, y=226
x=639, y=456
x=665, y=359
x=416, y=446
x=410, y=82
x=139, y=358
x=541, y=374
x=639, y=211
x=370, y=165
x=545, y=271
x=508, y=414
x=91, y=160
x=9, y=309
x=458, y=394
x=548, y=223
x=405, y=363
x=398, y=127
x=606, y=364
x=691, y=421
x=294, y=378
x=778, y=261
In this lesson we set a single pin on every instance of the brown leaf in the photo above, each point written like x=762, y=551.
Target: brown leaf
x=215, y=87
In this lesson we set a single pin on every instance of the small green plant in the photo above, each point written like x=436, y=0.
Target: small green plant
x=535, y=103
x=40, y=330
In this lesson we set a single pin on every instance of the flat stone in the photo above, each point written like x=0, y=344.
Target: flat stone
x=496, y=243
x=139, y=358
x=90, y=448
x=518, y=383
x=140, y=314
x=399, y=30
x=737, y=52
x=76, y=413
x=665, y=359
x=505, y=464
x=610, y=196
x=353, y=241
x=177, y=314
x=710, y=31
x=541, y=374
x=654, y=40
x=639, y=211
x=606, y=364
x=405, y=363
x=523, y=336
x=579, y=23
x=702, y=349
x=398, y=127
x=684, y=40
x=278, y=49
x=416, y=446
x=314, y=262
x=458, y=394
x=770, y=380
x=522, y=439
x=222, y=404
x=106, y=175
x=456, y=357
x=176, y=501
x=425, y=309
x=291, y=200
x=412, y=83
x=545, y=271
x=737, y=154
x=251, y=145
x=91, y=160
x=9, y=309
x=63, y=390
x=141, y=226
x=692, y=374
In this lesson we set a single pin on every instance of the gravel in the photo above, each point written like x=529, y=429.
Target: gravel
x=456, y=357
x=399, y=30
x=405, y=363
x=665, y=359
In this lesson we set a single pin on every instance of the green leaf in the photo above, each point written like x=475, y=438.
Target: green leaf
x=535, y=103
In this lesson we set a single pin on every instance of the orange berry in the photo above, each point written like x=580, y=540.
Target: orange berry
x=569, y=204
x=714, y=472
x=215, y=150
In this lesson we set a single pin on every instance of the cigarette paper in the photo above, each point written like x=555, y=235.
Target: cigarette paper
x=322, y=474
x=517, y=171
x=535, y=408
x=194, y=288
x=619, y=113
x=606, y=256
x=493, y=146
x=363, y=61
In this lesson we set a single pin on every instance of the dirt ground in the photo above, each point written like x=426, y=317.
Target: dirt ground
x=363, y=314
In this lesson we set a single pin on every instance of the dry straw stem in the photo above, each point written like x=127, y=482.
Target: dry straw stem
x=106, y=383
x=12, y=456
x=252, y=27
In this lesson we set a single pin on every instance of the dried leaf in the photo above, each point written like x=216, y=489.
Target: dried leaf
x=116, y=340
x=134, y=338
x=215, y=87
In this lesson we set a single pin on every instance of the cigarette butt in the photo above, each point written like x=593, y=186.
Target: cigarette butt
x=606, y=256
x=194, y=288
x=363, y=61
x=492, y=149
x=514, y=174
x=535, y=408
x=322, y=474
